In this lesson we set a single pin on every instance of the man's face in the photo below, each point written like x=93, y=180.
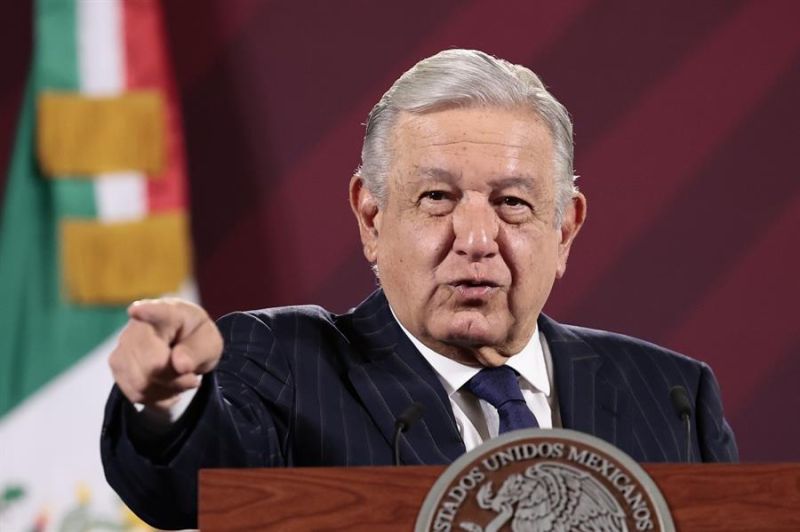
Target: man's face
x=466, y=245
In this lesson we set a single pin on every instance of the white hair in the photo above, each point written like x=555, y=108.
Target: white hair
x=466, y=78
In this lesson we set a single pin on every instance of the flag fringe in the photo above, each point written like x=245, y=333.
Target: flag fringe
x=81, y=135
x=116, y=263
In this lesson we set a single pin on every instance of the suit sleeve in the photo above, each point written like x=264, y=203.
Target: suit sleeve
x=239, y=418
x=716, y=439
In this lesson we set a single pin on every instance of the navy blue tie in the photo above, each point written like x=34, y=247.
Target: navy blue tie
x=499, y=387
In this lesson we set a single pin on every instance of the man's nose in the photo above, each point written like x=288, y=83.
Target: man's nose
x=475, y=228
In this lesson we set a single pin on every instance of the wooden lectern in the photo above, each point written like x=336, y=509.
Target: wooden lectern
x=701, y=497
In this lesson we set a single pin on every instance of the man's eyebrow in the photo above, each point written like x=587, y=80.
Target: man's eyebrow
x=522, y=181
x=431, y=172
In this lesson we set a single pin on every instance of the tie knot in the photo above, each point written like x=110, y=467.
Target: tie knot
x=496, y=386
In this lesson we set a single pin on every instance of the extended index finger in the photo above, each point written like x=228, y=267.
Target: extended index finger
x=171, y=318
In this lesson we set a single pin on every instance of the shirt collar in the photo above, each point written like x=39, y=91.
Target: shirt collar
x=529, y=363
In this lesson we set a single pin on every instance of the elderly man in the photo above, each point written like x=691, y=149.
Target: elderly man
x=467, y=209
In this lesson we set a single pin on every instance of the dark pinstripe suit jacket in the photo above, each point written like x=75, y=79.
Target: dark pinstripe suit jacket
x=300, y=386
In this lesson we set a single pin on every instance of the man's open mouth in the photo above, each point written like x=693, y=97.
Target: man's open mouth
x=472, y=283
x=474, y=289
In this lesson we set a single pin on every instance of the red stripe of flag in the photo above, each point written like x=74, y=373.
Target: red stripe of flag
x=147, y=67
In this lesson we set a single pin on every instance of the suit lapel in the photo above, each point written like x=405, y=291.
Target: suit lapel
x=390, y=376
x=587, y=399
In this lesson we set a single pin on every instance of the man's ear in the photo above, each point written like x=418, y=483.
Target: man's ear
x=574, y=216
x=365, y=207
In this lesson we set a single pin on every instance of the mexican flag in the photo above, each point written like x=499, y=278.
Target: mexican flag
x=95, y=216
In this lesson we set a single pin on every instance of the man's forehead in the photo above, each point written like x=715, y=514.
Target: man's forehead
x=475, y=147
x=471, y=118
x=513, y=133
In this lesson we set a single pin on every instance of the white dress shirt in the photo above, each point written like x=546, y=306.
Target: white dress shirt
x=476, y=419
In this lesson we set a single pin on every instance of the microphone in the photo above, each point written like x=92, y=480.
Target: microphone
x=683, y=407
x=410, y=415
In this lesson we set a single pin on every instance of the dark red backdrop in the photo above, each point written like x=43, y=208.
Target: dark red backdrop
x=687, y=131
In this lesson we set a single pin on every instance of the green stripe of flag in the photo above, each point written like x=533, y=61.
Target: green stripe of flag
x=56, y=50
x=57, y=68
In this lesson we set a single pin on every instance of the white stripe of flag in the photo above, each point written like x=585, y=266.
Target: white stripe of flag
x=119, y=196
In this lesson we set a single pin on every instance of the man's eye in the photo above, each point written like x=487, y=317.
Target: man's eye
x=436, y=202
x=434, y=195
x=511, y=201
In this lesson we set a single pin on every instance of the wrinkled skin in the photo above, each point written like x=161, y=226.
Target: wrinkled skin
x=466, y=243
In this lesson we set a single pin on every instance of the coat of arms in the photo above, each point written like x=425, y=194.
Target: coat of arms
x=553, y=480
